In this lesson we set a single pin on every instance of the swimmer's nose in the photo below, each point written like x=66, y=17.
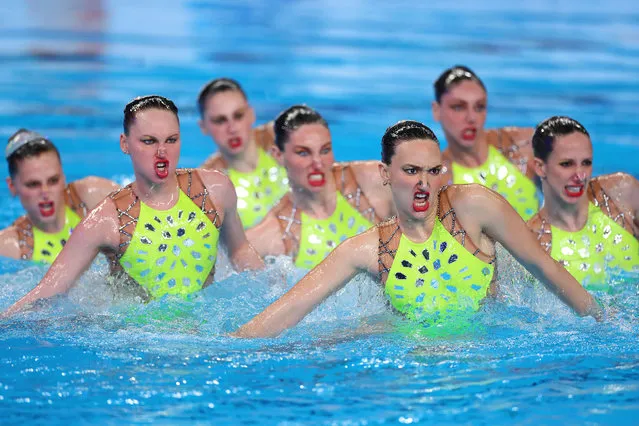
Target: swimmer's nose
x=161, y=151
x=580, y=176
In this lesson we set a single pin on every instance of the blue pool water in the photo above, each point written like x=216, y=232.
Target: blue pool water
x=68, y=68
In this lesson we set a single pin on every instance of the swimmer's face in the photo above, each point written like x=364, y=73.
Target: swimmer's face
x=228, y=119
x=40, y=185
x=308, y=158
x=414, y=175
x=462, y=113
x=153, y=143
x=568, y=168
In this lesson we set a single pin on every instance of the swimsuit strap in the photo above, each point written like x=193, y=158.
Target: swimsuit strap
x=289, y=218
x=389, y=237
x=598, y=196
x=347, y=185
x=24, y=230
x=73, y=200
x=450, y=221
x=508, y=141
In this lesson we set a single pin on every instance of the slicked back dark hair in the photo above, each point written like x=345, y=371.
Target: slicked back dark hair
x=292, y=119
x=406, y=130
x=143, y=103
x=547, y=131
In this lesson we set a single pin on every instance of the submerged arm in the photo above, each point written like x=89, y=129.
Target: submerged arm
x=97, y=230
x=500, y=222
x=350, y=257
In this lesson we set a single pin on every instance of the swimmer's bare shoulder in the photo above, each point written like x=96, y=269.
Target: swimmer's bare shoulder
x=370, y=181
x=214, y=162
x=623, y=188
x=220, y=188
x=267, y=237
x=9, y=246
x=93, y=189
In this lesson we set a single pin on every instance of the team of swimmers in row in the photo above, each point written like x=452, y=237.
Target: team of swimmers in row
x=425, y=222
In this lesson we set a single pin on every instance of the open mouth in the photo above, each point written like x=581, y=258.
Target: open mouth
x=316, y=179
x=574, y=191
x=420, y=201
x=162, y=168
x=469, y=134
x=235, y=142
x=47, y=208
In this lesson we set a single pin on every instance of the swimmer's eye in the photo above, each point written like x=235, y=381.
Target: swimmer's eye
x=238, y=116
x=54, y=180
x=480, y=108
x=410, y=170
x=326, y=150
x=218, y=120
x=148, y=141
x=435, y=171
x=587, y=162
x=302, y=153
x=32, y=185
x=171, y=140
x=457, y=107
x=567, y=163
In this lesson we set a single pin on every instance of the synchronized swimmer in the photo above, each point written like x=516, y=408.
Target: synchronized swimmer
x=423, y=221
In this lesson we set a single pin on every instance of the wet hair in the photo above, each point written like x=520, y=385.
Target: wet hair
x=216, y=86
x=548, y=130
x=402, y=131
x=142, y=103
x=292, y=119
x=35, y=146
x=453, y=76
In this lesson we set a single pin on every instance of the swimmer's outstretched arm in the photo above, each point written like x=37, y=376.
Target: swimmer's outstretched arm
x=499, y=221
x=242, y=254
x=354, y=255
x=99, y=229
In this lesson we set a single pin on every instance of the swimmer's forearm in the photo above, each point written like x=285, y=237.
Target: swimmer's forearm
x=246, y=258
x=41, y=291
x=561, y=283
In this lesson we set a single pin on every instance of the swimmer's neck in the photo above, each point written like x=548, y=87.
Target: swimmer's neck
x=318, y=205
x=158, y=196
x=418, y=230
x=52, y=227
x=469, y=157
x=245, y=161
x=568, y=217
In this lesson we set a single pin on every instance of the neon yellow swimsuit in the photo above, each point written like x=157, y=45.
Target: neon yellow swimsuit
x=46, y=247
x=320, y=236
x=258, y=190
x=502, y=176
x=601, y=245
x=171, y=251
x=436, y=278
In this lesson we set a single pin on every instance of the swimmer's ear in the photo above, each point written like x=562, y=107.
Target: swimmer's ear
x=277, y=154
x=123, y=146
x=435, y=108
x=383, y=172
x=12, y=188
x=540, y=167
